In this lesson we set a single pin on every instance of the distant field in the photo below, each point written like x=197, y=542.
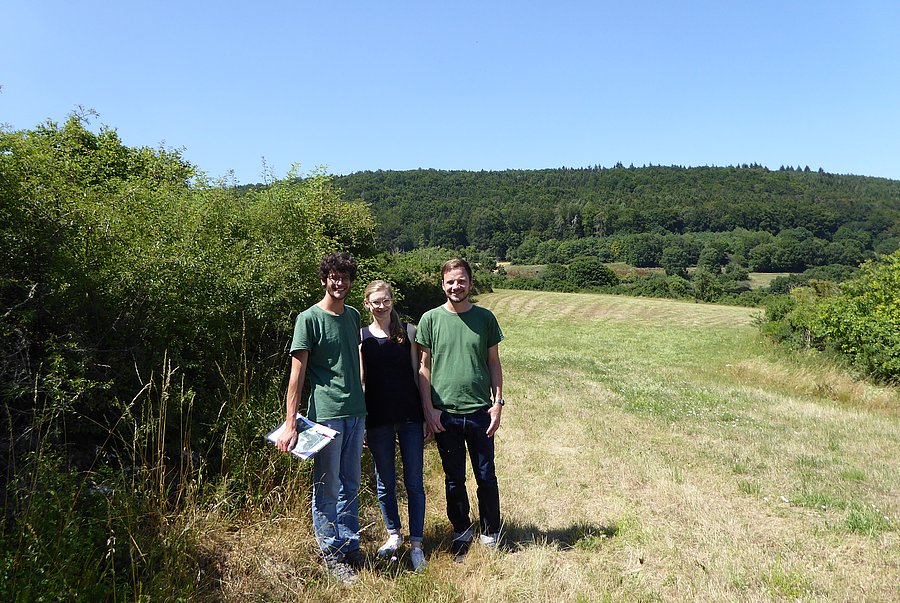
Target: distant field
x=620, y=268
x=651, y=450
x=758, y=280
x=623, y=269
x=525, y=270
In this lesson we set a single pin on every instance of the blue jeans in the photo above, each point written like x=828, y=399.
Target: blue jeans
x=382, y=441
x=335, y=498
x=464, y=431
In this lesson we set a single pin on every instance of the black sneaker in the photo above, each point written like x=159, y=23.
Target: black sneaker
x=341, y=571
x=459, y=548
x=356, y=559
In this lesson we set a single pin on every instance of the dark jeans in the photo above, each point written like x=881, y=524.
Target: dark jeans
x=464, y=431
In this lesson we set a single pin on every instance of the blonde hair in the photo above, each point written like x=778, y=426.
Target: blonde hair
x=396, y=332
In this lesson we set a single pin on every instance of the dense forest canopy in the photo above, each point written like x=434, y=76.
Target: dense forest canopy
x=843, y=219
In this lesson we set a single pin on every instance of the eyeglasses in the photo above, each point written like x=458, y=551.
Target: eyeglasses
x=381, y=303
x=339, y=278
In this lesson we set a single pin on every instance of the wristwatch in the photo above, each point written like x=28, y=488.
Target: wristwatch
x=500, y=401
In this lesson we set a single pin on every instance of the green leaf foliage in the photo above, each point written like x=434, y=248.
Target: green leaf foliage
x=129, y=281
x=590, y=272
x=113, y=257
x=860, y=320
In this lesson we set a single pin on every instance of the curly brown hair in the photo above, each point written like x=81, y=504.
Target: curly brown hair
x=338, y=262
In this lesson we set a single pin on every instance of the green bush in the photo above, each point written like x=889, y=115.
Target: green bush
x=860, y=320
x=678, y=286
x=863, y=322
x=115, y=262
x=654, y=285
x=584, y=272
x=706, y=284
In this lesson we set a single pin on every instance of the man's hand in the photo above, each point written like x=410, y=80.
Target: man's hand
x=433, y=419
x=495, y=411
x=288, y=438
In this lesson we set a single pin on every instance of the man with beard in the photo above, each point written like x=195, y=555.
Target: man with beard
x=462, y=393
x=326, y=347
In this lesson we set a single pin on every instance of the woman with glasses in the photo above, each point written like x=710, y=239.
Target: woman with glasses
x=390, y=371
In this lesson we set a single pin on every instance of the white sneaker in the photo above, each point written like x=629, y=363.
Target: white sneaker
x=490, y=540
x=417, y=556
x=388, y=550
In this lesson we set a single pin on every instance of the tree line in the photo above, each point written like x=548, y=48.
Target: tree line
x=785, y=220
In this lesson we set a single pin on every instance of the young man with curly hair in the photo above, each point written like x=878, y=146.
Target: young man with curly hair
x=325, y=349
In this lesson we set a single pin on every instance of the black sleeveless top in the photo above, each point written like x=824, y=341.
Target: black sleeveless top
x=391, y=392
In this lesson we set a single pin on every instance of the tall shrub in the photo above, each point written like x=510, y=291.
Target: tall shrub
x=863, y=322
x=859, y=320
x=114, y=262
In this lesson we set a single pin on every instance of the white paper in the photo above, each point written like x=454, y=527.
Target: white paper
x=311, y=437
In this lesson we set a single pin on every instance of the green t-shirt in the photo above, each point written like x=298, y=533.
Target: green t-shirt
x=459, y=343
x=333, y=366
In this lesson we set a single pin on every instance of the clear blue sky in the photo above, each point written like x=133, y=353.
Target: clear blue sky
x=362, y=85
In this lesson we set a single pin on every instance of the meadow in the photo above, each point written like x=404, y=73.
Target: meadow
x=651, y=450
x=758, y=280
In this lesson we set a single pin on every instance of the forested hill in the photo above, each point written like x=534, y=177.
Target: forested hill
x=497, y=211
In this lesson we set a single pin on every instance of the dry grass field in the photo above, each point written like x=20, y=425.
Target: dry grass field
x=651, y=450
x=758, y=280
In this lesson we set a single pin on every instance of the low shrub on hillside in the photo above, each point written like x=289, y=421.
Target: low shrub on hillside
x=836, y=273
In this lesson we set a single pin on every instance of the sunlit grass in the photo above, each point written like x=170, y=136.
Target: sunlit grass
x=764, y=279
x=651, y=450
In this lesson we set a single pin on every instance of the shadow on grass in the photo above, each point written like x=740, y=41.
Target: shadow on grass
x=517, y=535
x=579, y=535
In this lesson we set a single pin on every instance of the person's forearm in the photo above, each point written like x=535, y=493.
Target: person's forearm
x=496, y=372
x=293, y=403
x=425, y=387
x=295, y=386
x=415, y=357
x=288, y=437
x=432, y=415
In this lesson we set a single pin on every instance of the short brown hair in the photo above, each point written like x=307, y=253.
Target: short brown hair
x=454, y=264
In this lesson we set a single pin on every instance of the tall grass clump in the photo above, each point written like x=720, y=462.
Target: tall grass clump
x=118, y=530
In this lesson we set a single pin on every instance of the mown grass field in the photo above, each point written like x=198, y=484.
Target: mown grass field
x=758, y=280
x=651, y=450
